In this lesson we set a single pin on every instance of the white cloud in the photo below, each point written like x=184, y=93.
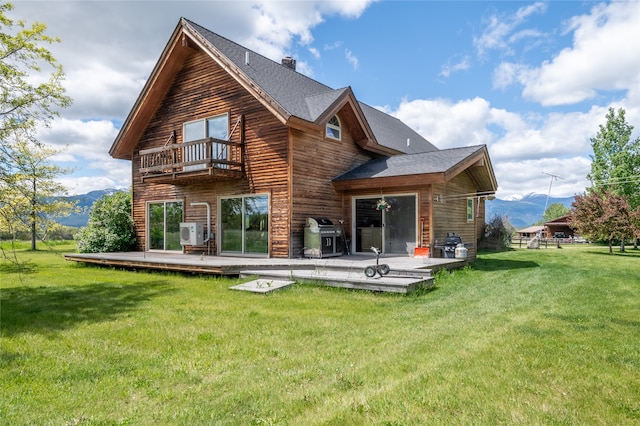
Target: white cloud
x=108, y=50
x=85, y=184
x=351, y=58
x=529, y=176
x=462, y=65
x=521, y=146
x=333, y=46
x=107, y=60
x=605, y=56
x=86, y=140
x=551, y=136
x=447, y=124
x=101, y=91
x=498, y=32
x=315, y=52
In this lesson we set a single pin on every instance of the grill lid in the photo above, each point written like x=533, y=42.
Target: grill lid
x=452, y=240
x=314, y=222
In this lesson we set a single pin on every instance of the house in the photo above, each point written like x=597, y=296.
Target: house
x=237, y=152
x=559, y=226
x=531, y=231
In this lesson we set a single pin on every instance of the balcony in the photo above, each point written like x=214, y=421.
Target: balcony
x=196, y=161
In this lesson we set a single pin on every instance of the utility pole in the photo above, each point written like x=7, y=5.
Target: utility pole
x=553, y=177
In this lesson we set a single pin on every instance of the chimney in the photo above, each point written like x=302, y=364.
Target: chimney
x=289, y=62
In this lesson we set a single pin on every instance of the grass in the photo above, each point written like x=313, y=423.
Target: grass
x=521, y=337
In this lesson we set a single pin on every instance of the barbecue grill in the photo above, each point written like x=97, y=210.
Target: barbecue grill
x=321, y=238
x=450, y=244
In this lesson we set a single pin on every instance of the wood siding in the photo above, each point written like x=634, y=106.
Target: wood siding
x=450, y=215
x=202, y=89
x=316, y=160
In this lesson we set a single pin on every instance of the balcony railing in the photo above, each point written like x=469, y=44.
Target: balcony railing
x=215, y=156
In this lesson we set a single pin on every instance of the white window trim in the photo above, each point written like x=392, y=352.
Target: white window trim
x=334, y=127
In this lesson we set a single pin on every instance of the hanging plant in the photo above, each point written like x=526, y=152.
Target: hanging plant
x=383, y=205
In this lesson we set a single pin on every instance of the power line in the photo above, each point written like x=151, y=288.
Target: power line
x=617, y=181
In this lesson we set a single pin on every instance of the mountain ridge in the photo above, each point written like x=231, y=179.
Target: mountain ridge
x=84, y=204
x=525, y=211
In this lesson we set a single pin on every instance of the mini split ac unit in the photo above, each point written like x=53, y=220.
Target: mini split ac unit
x=191, y=234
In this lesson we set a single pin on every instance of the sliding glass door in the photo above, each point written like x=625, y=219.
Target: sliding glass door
x=244, y=225
x=163, y=225
x=387, y=222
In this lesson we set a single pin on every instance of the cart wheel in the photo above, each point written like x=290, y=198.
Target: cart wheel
x=384, y=269
x=370, y=271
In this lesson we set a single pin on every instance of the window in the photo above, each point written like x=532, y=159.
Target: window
x=244, y=224
x=392, y=230
x=470, y=209
x=214, y=127
x=333, y=128
x=163, y=224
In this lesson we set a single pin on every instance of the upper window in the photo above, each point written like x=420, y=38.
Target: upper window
x=470, y=209
x=214, y=127
x=333, y=128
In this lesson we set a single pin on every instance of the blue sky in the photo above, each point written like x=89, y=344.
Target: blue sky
x=531, y=80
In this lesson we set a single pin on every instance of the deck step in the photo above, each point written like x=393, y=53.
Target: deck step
x=395, y=281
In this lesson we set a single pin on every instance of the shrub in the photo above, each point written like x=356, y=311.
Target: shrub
x=497, y=234
x=110, y=227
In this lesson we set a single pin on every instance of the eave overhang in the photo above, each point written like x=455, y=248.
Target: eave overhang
x=477, y=166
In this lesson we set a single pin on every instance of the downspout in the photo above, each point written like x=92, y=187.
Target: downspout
x=202, y=203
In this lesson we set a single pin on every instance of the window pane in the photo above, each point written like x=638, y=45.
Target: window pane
x=256, y=219
x=156, y=226
x=164, y=225
x=174, y=217
x=368, y=225
x=231, y=224
x=400, y=225
x=333, y=133
x=194, y=131
x=218, y=127
x=245, y=224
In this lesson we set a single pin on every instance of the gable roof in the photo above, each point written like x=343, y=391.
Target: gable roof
x=427, y=167
x=293, y=97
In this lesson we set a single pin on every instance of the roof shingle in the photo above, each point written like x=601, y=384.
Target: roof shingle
x=308, y=99
x=411, y=164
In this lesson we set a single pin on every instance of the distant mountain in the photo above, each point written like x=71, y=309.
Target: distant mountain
x=84, y=203
x=523, y=211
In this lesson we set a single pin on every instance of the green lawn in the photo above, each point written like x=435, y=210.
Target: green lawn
x=521, y=337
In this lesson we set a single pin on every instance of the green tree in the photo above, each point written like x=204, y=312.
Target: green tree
x=605, y=217
x=615, y=165
x=28, y=95
x=28, y=189
x=497, y=233
x=110, y=227
x=554, y=211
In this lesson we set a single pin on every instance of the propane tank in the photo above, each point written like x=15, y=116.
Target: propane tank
x=461, y=251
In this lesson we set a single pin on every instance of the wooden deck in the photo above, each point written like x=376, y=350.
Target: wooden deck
x=407, y=273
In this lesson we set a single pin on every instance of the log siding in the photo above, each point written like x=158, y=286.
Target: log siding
x=202, y=89
x=276, y=153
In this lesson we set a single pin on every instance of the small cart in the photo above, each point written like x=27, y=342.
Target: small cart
x=371, y=270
